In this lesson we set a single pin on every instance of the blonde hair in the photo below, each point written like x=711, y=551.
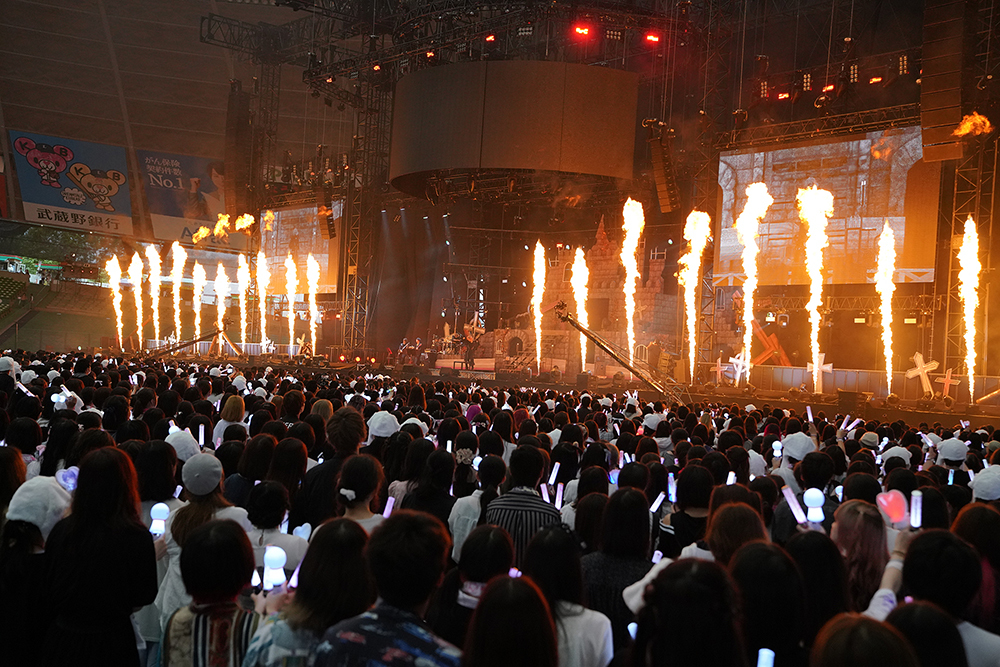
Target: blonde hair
x=233, y=409
x=323, y=408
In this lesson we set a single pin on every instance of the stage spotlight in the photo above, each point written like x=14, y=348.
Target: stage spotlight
x=581, y=30
x=376, y=67
x=652, y=38
x=769, y=317
x=491, y=38
x=892, y=399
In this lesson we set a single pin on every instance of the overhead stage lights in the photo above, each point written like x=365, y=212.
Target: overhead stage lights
x=581, y=30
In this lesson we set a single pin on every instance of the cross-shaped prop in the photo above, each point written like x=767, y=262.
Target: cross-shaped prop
x=719, y=369
x=740, y=365
x=922, y=369
x=823, y=369
x=772, y=348
x=948, y=382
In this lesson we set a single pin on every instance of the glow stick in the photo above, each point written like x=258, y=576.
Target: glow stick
x=951, y=476
x=621, y=459
x=545, y=493
x=255, y=579
x=158, y=513
x=555, y=472
x=809, y=412
x=840, y=493
x=388, y=507
x=657, y=556
x=218, y=443
x=671, y=488
x=793, y=503
x=283, y=528
x=613, y=476
x=843, y=427
x=814, y=501
x=178, y=491
x=448, y=447
x=765, y=658
x=633, y=628
x=854, y=424
x=293, y=581
x=731, y=478
x=656, y=503
x=475, y=463
x=201, y=435
x=559, y=495
x=927, y=440
x=274, y=567
x=916, y=508
x=513, y=573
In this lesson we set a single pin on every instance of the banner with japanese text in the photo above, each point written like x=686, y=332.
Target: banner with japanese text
x=73, y=184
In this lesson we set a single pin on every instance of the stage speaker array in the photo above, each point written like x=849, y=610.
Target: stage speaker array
x=237, y=153
x=667, y=192
x=945, y=60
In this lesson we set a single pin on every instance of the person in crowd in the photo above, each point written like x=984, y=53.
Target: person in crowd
x=417, y=453
x=470, y=511
x=511, y=626
x=253, y=467
x=853, y=639
x=859, y=532
x=267, y=510
x=345, y=431
x=824, y=576
x=233, y=412
x=687, y=523
x=334, y=584
x=360, y=482
x=407, y=554
x=931, y=632
x=432, y=493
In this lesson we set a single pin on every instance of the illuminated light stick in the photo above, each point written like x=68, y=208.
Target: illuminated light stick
x=274, y=567
x=765, y=658
x=916, y=508
x=559, y=496
x=809, y=413
x=814, y=501
x=388, y=507
x=179, y=256
x=854, y=424
x=671, y=488
x=951, y=476
x=545, y=493
x=221, y=292
x=927, y=440
x=815, y=209
x=243, y=285
x=291, y=285
x=885, y=287
x=114, y=270
x=263, y=280
x=199, y=279
x=633, y=223
x=656, y=503
x=793, y=504
x=581, y=276
x=968, y=290
x=747, y=226
x=293, y=581
x=201, y=435
x=158, y=514
x=135, y=277
x=312, y=279
x=537, y=294
x=555, y=472
x=843, y=427
x=697, y=231
x=730, y=478
x=155, y=266
x=447, y=446
x=657, y=557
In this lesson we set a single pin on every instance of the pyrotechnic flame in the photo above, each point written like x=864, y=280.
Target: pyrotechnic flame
x=815, y=208
x=135, y=277
x=697, y=229
x=245, y=221
x=202, y=233
x=155, y=266
x=114, y=270
x=263, y=280
x=291, y=285
x=633, y=224
x=268, y=220
x=581, y=276
x=968, y=290
x=221, y=292
x=221, y=230
x=176, y=275
x=199, y=278
x=312, y=277
x=747, y=226
x=974, y=124
x=885, y=287
x=243, y=283
x=537, y=294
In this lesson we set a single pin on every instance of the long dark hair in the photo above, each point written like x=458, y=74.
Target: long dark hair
x=61, y=433
x=155, y=467
x=552, y=560
x=511, y=626
x=107, y=493
x=256, y=458
x=288, y=465
x=334, y=580
x=492, y=471
x=824, y=575
x=437, y=475
x=503, y=425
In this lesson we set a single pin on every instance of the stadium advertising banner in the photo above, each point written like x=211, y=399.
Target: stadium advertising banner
x=73, y=184
x=184, y=193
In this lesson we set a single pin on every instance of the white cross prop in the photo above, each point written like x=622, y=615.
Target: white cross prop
x=922, y=368
x=740, y=365
x=823, y=370
x=719, y=369
x=948, y=382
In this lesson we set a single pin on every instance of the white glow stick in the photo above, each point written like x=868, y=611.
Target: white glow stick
x=448, y=446
x=916, y=508
x=201, y=435
x=951, y=476
x=793, y=504
x=621, y=459
x=765, y=658
x=657, y=556
x=559, y=495
x=388, y=506
x=927, y=440
x=854, y=424
x=809, y=412
x=671, y=488
x=843, y=427
x=158, y=513
x=555, y=472
x=274, y=567
x=293, y=581
x=513, y=573
x=545, y=493
x=178, y=490
x=731, y=478
x=218, y=443
x=656, y=503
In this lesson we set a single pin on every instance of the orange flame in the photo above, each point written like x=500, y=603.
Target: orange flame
x=114, y=270
x=312, y=277
x=291, y=285
x=243, y=283
x=974, y=124
x=221, y=230
x=155, y=266
x=632, y=225
x=245, y=221
x=221, y=292
x=815, y=208
x=268, y=220
x=885, y=287
x=581, y=276
x=263, y=280
x=135, y=277
x=747, y=226
x=537, y=294
x=201, y=234
x=176, y=275
x=968, y=281
x=199, y=278
x=697, y=229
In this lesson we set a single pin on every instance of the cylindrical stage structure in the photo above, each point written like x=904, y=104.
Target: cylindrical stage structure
x=512, y=115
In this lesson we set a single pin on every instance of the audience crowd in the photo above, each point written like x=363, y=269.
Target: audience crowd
x=168, y=513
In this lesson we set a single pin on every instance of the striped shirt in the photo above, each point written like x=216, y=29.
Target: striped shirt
x=208, y=635
x=522, y=513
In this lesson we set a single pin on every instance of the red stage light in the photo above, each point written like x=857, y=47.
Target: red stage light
x=343, y=358
x=357, y=359
x=581, y=30
x=376, y=67
x=491, y=38
x=783, y=96
x=430, y=54
x=652, y=37
x=875, y=79
x=827, y=88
